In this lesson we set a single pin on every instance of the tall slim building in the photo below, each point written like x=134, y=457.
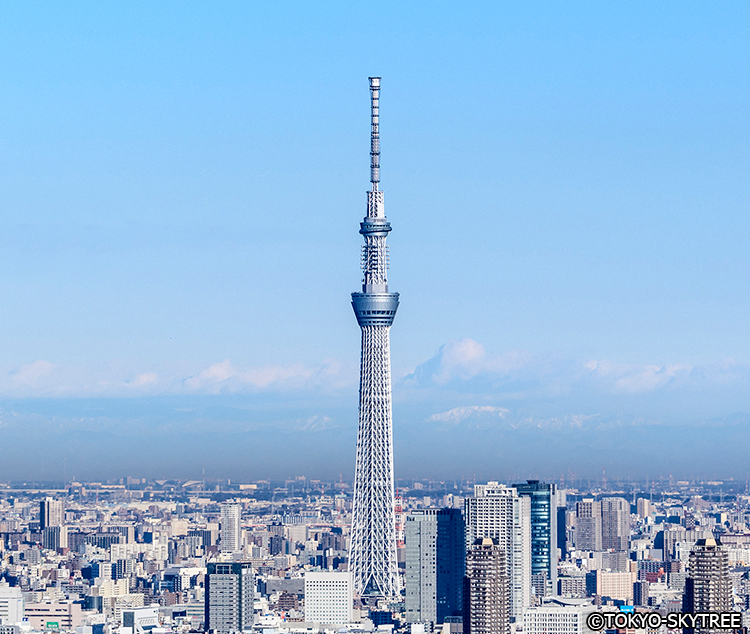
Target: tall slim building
x=50, y=513
x=708, y=587
x=486, y=589
x=372, y=555
x=434, y=565
x=498, y=512
x=543, y=499
x=588, y=525
x=615, y=523
x=230, y=590
x=231, y=529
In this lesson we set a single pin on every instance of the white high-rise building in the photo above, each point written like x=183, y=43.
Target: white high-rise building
x=11, y=605
x=499, y=512
x=50, y=513
x=329, y=597
x=231, y=528
x=615, y=523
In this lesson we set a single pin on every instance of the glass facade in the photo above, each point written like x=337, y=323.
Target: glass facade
x=543, y=531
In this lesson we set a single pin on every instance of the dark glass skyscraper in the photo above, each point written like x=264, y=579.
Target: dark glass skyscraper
x=543, y=532
x=435, y=561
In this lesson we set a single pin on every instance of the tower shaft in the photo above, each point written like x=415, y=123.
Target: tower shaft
x=372, y=555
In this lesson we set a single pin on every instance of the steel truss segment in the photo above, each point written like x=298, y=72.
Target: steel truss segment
x=373, y=540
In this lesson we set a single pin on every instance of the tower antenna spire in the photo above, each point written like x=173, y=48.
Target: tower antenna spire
x=375, y=132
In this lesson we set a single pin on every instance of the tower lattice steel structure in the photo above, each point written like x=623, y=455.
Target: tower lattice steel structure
x=372, y=555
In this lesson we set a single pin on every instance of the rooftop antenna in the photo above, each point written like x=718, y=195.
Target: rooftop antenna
x=375, y=132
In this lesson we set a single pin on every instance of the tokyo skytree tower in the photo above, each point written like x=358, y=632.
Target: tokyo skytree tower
x=372, y=554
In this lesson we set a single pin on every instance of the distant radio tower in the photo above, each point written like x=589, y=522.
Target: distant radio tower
x=372, y=555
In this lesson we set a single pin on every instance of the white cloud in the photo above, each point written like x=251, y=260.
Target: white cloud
x=224, y=377
x=636, y=379
x=147, y=378
x=31, y=374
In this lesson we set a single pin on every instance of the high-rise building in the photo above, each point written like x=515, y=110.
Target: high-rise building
x=543, y=498
x=329, y=597
x=588, y=525
x=372, y=555
x=640, y=593
x=498, y=512
x=231, y=528
x=486, y=589
x=50, y=513
x=643, y=508
x=55, y=537
x=435, y=553
x=708, y=587
x=615, y=523
x=229, y=594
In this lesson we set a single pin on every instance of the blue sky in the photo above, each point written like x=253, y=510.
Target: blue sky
x=181, y=186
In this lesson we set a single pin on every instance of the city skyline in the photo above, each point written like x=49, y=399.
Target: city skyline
x=578, y=197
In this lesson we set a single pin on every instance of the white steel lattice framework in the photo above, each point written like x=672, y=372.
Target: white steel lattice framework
x=372, y=554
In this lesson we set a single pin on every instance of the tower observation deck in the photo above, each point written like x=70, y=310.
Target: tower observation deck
x=372, y=554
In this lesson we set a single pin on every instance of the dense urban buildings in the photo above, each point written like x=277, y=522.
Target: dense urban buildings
x=373, y=545
x=144, y=551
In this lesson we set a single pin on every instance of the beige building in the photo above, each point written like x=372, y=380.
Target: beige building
x=615, y=585
x=53, y=616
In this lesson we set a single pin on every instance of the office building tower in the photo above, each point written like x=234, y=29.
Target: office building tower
x=615, y=523
x=55, y=537
x=544, y=505
x=229, y=594
x=231, y=529
x=588, y=525
x=708, y=587
x=329, y=597
x=435, y=553
x=486, y=589
x=640, y=593
x=498, y=512
x=643, y=508
x=50, y=513
x=372, y=554
x=11, y=604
